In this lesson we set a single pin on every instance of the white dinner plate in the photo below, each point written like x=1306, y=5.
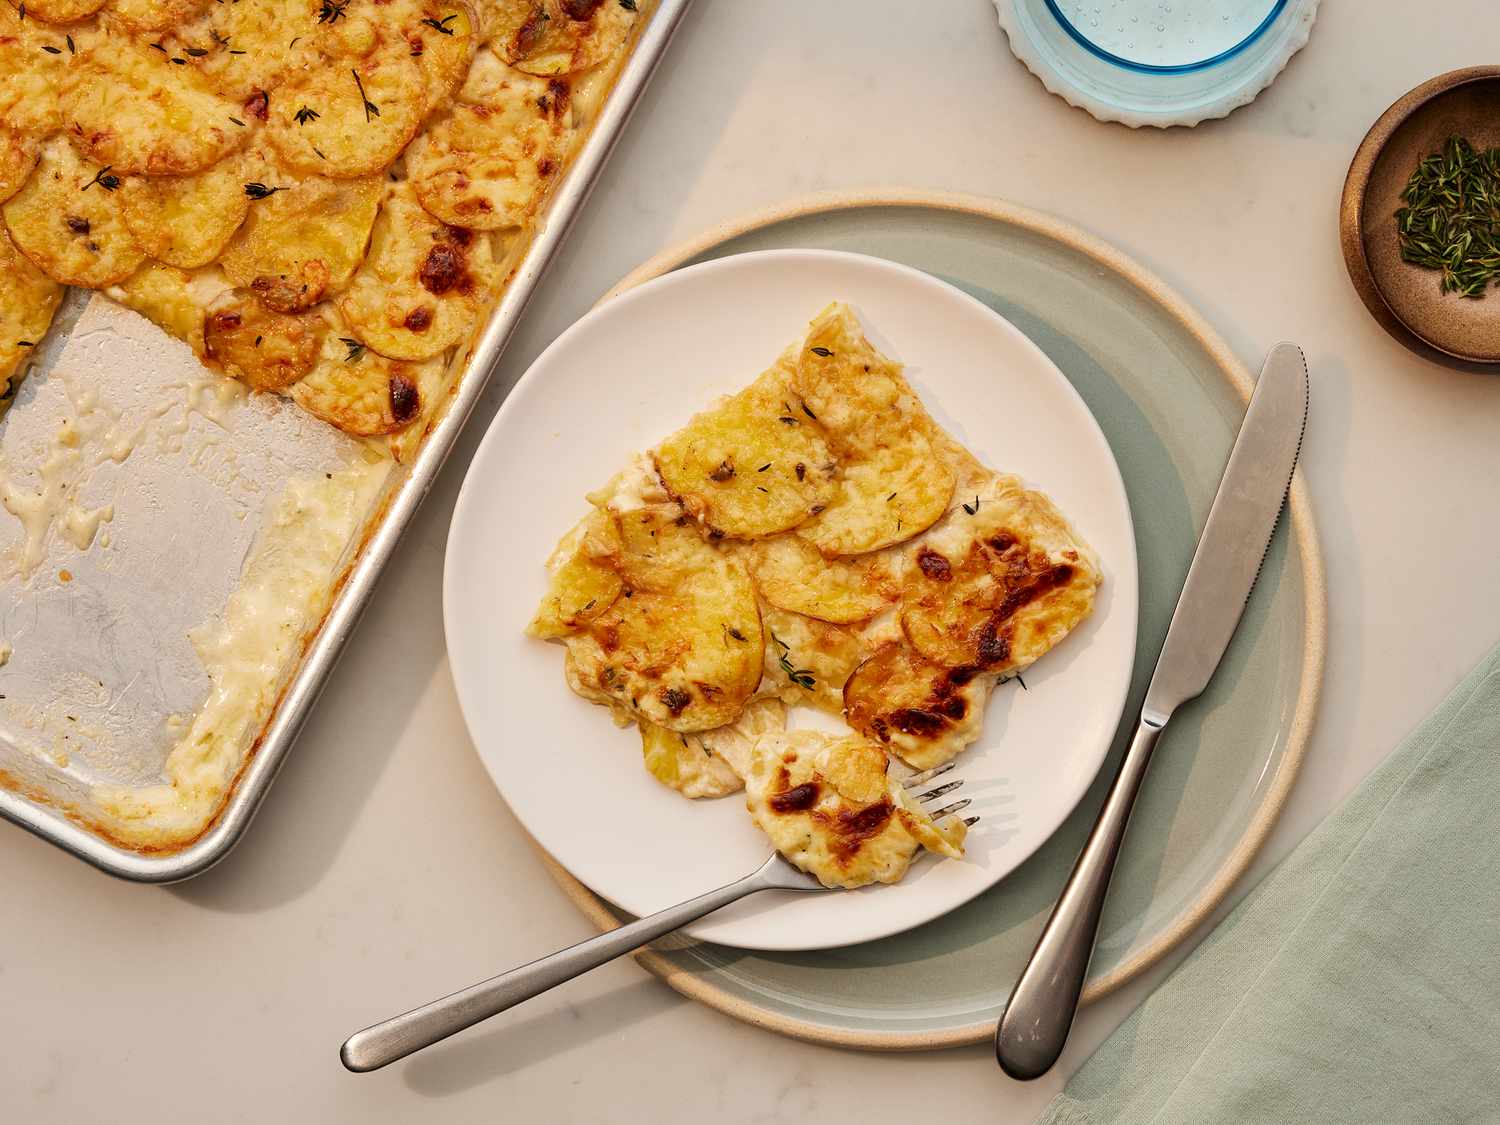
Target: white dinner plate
x=620, y=380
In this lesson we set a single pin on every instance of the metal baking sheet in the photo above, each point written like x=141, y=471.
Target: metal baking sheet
x=157, y=489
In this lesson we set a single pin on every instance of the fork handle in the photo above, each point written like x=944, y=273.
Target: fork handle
x=395, y=1038
x=1039, y=1015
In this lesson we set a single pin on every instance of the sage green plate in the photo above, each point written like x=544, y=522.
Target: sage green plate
x=1169, y=397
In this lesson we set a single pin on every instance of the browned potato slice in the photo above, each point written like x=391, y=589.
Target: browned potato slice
x=422, y=287
x=267, y=350
x=583, y=582
x=361, y=392
x=485, y=162
x=754, y=465
x=27, y=301
x=830, y=806
x=808, y=661
x=998, y=586
x=923, y=711
x=62, y=11
x=244, y=50
x=895, y=484
x=441, y=36
x=34, y=65
x=791, y=574
x=185, y=221
x=163, y=295
x=154, y=15
x=681, y=647
x=556, y=36
x=304, y=241
x=136, y=115
x=367, y=111
x=69, y=223
x=18, y=157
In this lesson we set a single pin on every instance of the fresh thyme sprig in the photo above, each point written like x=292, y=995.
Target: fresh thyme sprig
x=1451, y=218
x=370, y=107
x=799, y=676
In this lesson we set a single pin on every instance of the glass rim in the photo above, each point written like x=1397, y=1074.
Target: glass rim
x=1153, y=68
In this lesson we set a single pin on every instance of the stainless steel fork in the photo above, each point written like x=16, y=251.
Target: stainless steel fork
x=392, y=1039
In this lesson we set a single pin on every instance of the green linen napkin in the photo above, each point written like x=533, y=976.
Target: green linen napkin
x=1360, y=981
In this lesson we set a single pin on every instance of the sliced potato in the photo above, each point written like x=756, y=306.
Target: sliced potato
x=18, y=157
x=829, y=805
x=485, y=164
x=436, y=391
x=441, y=35
x=244, y=50
x=998, y=586
x=581, y=586
x=681, y=647
x=62, y=11
x=422, y=287
x=266, y=350
x=557, y=36
x=360, y=392
x=923, y=711
x=138, y=116
x=70, y=224
x=791, y=574
x=754, y=465
x=366, y=113
x=34, y=64
x=808, y=661
x=305, y=241
x=163, y=295
x=28, y=300
x=895, y=484
x=185, y=221
x=683, y=763
x=154, y=15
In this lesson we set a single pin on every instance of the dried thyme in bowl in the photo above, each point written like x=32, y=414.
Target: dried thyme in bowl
x=1451, y=221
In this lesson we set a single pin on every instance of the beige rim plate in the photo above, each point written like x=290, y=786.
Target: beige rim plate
x=1168, y=394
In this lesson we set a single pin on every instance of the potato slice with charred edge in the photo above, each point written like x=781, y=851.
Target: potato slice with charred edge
x=550, y=37
x=422, y=286
x=791, y=574
x=894, y=483
x=70, y=224
x=137, y=116
x=754, y=465
x=361, y=392
x=681, y=647
x=34, y=64
x=581, y=586
x=305, y=241
x=162, y=294
x=18, y=157
x=266, y=350
x=185, y=221
x=1001, y=582
x=808, y=661
x=711, y=763
x=28, y=300
x=367, y=111
x=923, y=711
x=829, y=805
x=485, y=162
x=62, y=11
x=140, y=16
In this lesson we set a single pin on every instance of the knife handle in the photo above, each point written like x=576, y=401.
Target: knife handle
x=1039, y=1015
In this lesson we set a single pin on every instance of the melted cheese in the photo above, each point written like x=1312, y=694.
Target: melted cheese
x=248, y=651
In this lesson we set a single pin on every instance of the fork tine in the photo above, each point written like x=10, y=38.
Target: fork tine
x=970, y=821
x=933, y=794
x=956, y=806
x=927, y=775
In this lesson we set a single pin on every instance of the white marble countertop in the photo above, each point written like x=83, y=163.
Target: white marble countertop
x=383, y=868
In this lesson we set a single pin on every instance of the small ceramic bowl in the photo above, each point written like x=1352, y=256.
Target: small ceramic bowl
x=1404, y=298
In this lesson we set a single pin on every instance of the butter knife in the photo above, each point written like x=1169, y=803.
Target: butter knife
x=1035, y=1025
